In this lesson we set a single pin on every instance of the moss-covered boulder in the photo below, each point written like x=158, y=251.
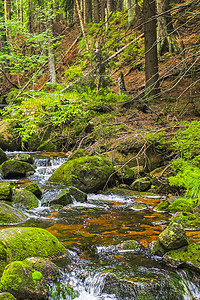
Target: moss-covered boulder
x=20, y=279
x=20, y=243
x=188, y=256
x=6, y=190
x=3, y=156
x=182, y=204
x=132, y=245
x=125, y=175
x=7, y=296
x=187, y=219
x=25, y=199
x=77, y=195
x=9, y=214
x=141, y=184
x=88, y=173
x=63, y=199
x=25, y=157
x=172, y=238
x=35, y=189
x=77, y=154
x=17, y=169
x=47, y=146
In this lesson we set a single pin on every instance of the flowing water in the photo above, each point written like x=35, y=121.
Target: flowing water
x=92, y=231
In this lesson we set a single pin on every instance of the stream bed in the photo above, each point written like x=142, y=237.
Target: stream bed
x=92, y=231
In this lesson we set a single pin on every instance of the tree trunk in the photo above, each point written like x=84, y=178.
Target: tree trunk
x=81, y=24
x=51, y=56
x=166, y=37
x=119, y=5
x=21, y=12
x=110, y=6
x=7, y=16
x=103, y=6
x=30, y=16
x=151, y=58
x=87, y=11
x=96, y=11
x=130, y=6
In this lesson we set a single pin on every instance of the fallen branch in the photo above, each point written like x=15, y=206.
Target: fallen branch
x=72, y=45
x=135, y=157
x=13, y=84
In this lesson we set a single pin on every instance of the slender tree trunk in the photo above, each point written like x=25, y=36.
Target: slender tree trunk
x=110, y=6
x=96, y=11
x=130, y=6
x=166, y=36
x=119, y=5
x=21, y=12
x=87, y=11
x=17, y=8
x=81, y=23
x=30, y=16
x=7, y=16
x=51, y=56
x=103, y=6
x=151, y=58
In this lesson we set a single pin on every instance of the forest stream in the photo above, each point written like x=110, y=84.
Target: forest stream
x=91, y=231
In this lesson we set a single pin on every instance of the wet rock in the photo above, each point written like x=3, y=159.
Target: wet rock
x=9, y=214
x=23, y=281
x=141, y=184
x=35, y=189
x=77, y=154
x=187, y=219
x=125, y=175
x=47, y=146
x=78, y=195
x=19, y=243
x=7, y=296
x=25, y=157
x=63, y=199
x=3, y=156
x=6, y=190
x=88, y=173
x=17, y=169
x=172, y=238
x=139, y=206
x=25, y=199
x=131, y=245
x=187, y=256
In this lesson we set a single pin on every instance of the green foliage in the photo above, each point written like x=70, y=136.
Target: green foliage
x=187, y=140
x=182, y=204
x=74, y=72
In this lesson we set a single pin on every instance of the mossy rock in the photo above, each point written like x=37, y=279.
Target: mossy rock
x=47, y=146
x=35, y=189
x=25, y=199
x=138, y=170
x=76, y=194
x=162, y=206
x=125, y=174
x=9, y=214
x=182, y=204
x=88, y=173
x=6, y=190
x=24, y=282
x=17, y=169
x=25, y=157
x=172, y=238
x=77, y=154
x=131, y=245
x=63, y=199
x=141, y=184
x=3, y=156
x=7, y=296
x=188, y=256
x=187, y=219
x=138, y=206
x=20, y=243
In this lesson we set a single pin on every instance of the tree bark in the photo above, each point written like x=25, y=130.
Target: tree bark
x=87, y=11
x=110, y=6
x=81, y=24
x=7, y=16
x=96, y=11
x=130, y=6
x=103, y=6
x=166, y=37
x=151, y=57
x=51, y=56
